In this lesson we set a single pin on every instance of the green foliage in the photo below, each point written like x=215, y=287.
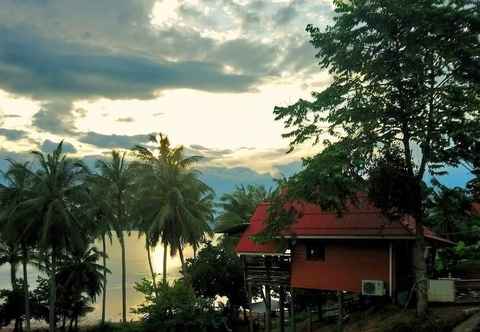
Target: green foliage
x=177, y=308
x=238, y=206
x=397, y=83
x=175, y=206
x=217, y=270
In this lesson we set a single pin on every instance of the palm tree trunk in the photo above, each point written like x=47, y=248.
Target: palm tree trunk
x=150, y=265
x=13, y=274
x=124, y=280
x=165, y=257
x=25, y=288
x=104, y=295
x=53, y=296
x=184, y=267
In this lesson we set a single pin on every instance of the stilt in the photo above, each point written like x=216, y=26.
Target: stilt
x=319, y=306
x=293, y=326
x=281, y=306
x=268, y=309
x=250, y=301
x=309, y=319
x=340, y=311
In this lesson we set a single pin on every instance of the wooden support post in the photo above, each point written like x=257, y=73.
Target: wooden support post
x=281, y=306
x=250, y=302
x=319, y=305
x=309, y=319
x=268, y=309
x=340, y=311
x=293, y=326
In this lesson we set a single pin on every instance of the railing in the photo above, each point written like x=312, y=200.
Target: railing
x=467, y=290
x=268, y=270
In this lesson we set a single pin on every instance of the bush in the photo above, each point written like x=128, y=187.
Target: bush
x=176, y=308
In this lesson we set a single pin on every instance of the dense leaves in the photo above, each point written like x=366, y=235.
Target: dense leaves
x=404, y=95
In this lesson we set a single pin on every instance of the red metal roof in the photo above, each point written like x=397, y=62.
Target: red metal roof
x=358, y=221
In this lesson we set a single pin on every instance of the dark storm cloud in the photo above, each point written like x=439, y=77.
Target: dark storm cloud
x=45, y=68
x=112, y=141
x=13, y=134
x=49, y=146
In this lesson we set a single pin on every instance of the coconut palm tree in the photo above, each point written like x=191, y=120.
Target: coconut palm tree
x=98, y=211
x=237, y=207
x=174, y=203
x=81, y=274
x=17, y=188
x=116, y=176
x=57, y=189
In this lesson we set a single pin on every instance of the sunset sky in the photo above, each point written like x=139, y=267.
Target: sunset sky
x=104, y=74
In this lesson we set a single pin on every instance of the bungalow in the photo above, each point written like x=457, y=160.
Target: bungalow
x=360, y=251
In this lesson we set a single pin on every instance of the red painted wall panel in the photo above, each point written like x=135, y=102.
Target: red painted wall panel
x=346, y=264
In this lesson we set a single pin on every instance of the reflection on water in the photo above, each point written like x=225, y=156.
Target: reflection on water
x=137, y=268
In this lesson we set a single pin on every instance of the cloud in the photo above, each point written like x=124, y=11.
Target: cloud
x=112, y=141
x=49, y=146
x=56, y=117
x=125, y=119
x=13, y=134
x=46, y=68
x=6, y=116
x=224, y=179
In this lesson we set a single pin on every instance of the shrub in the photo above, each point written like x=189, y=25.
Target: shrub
x=176, y=308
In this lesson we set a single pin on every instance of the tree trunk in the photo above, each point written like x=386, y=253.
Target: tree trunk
x=25, y=289
x=124, y=280
x=53, y=296
x=13, y=274
x=104, y=294
x=420, y=269
x=150, y=265
x=165, y=257
x=182, y=260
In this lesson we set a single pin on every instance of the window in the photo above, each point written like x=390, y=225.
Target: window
x=315, y=252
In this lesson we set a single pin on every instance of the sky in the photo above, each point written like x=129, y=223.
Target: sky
x=103, y=74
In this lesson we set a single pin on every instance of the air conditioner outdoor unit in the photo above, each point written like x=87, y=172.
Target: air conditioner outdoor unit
x=373, y=287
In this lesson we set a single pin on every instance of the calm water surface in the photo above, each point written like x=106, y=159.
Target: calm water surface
x=137, y=268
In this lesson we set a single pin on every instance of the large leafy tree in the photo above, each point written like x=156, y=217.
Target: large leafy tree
x=404, y=79
x=176, y=205
x=117, y=178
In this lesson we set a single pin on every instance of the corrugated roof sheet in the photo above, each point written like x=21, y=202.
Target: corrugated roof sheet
x=358, y=221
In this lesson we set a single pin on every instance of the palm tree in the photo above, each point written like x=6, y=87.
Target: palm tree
x=98, y=211
x=175, y=203
x=57, y=188
x=80, y=273
x=116, y=177
x=237, y=207
x=17, y=189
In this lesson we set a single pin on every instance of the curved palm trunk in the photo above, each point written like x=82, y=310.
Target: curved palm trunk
x=150, y=265
x=184, y=266
x=25, y=289
x=124, y=279
x=165, y=257
x=104, y=295
x=53, y=296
